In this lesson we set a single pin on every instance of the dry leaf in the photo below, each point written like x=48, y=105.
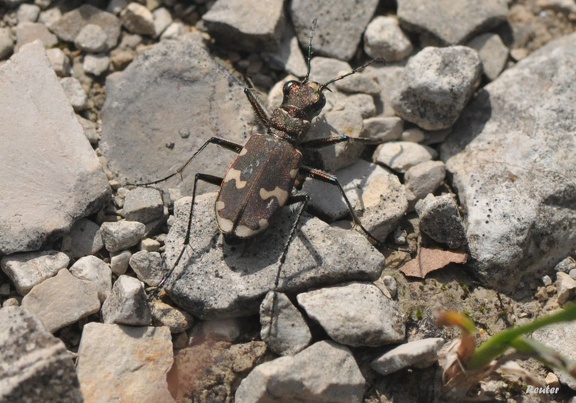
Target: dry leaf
x=429, y=260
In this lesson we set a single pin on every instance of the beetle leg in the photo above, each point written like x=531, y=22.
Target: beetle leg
x=258, y=107
x=229, y=145
x=328, y=141
x=214, y=180
x=333, y=180
x=298, y=198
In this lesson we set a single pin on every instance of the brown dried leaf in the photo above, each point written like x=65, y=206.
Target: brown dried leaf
x=429, y=260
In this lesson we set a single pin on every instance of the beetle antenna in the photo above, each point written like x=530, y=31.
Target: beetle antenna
x=309, y=55
x=356, y=70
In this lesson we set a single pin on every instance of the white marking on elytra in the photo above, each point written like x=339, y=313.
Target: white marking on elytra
x=234, y=174
x=242, y=231
x=225, y=224
x=293, y=173
x=243, y=152
x=280, y=194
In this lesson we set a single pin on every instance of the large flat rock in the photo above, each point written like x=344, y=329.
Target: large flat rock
x=50, y=174
x=511, y=155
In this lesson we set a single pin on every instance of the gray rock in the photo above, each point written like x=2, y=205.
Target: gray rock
x=84, y=239
x=91, y=39
x=364, y=103
x=59, y=61
x=27, y=270
x=357, y=83
x=413, y=135
x=6, y=43
x=560, y=337
x=290, y=333
x=122, y=234
x=375, y=194
x=50, y=16
x=566, y=287
x=137, y=19
x=493, y=53
x=389, y=77
x=514, y=172
x=288, y=57
x=27, y=13
x=434, y=18
x=221, y=329
x=150, y=245
x=89, y=130
x=384, y=38
x=35, y=365
x=436, y=85
x=147, y=266
x=402, y=155
x=383, y=128
x=355, y=314
x=340, y=25
x=28, y=32
x=247, y=24
x=124, y=363
x=70, y=24
x=61, y=300
x=337, y=379
x=119, y=262
x=220, y=280
x=162, y=19
x=203, y=98
x=441, y=221
x=566, y=265
x=174, y=30
x=94, y=272
x=420, y=353
x=75, y=93
x=96, y=64
x=423, y=178
x=127, y=304
x=166, y=315
x=143, y=204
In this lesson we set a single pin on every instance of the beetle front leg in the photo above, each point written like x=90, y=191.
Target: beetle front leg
x=333, y=180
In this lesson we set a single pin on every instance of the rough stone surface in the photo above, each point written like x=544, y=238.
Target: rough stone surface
x=384, y=38
x=119, y=262
x=124, y=363
x=437, y=83
x=355, y=314
x=94, y=272
x=59, y=61
x=50, y=168
x=137, y=19
x=218, y=280
x=91, y=39
x=440, y=220
x=173, y=318
x=122, y=234
x=127, y=303
x=147, y=266
x=6, y=43
x=423, y=178
x=419, y=353
x=35, y=365
x=27, y=270
x=290, y=333
x=566, y=287
x=251, y=25
x=28, y=32
x=84, y=238
x=181, y=91
x=340, y=25
x=61, y=300
x=383, y=128
x=511, y=159
x=71, y=23
x=432, y=17
x=96, y=64
x=143, y=204
x=338, y=379
x=493, y=54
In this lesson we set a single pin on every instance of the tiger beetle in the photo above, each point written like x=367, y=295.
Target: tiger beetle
x=261, y=180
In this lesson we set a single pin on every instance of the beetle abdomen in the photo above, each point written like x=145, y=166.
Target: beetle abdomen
x=256, y=186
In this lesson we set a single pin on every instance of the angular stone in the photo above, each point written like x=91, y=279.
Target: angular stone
x=137, y=19
x=122, y=234
x=59, y=61
x=403, y=155
x=219, y=280
x=124, y=363
x=338, y=379
x=436, y=85
x=119, y=262
x=127, y=304
x=434, y=18
x=166, y=315
x=355, y=314
x=384, y=38
x=85, y=238
x=147, y=266
x=424, y=178
x=143, y=204
x=513, y=173
x=75, y=93
x=6, y=43
x=28, y=32
x=492, y=52
x=440, y=220
x=35, y=365
x=27, y=270
x=71, y=23
x=179, y=79
x=289, y=333
x=61, y=301
x=251, y=25
x=96, y=273
x=420, y=353
x=91, y=39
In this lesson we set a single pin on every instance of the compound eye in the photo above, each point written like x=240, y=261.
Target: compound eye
x=317, y=106
x=288, y=86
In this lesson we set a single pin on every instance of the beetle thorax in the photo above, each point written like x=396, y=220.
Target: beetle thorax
x=285, y=125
